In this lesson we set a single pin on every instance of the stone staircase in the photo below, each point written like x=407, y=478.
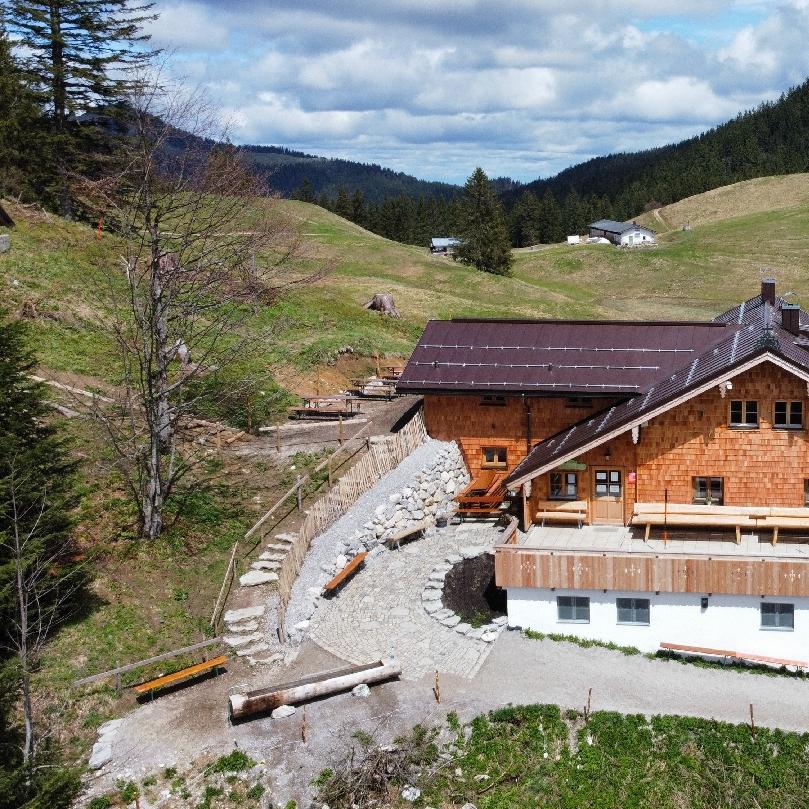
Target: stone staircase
x=245, y=636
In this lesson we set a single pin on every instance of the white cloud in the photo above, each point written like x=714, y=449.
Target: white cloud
x=435, y=87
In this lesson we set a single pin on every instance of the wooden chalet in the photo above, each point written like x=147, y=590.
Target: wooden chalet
x=688, y=438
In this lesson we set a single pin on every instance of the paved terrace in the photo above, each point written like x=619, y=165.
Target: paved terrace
x=618, y=539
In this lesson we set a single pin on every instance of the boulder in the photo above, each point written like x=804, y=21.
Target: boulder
x=232, y=616
x=361, y=690
x=282, y=711
x=101, y=755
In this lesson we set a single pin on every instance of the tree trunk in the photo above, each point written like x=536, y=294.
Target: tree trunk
x=59, y=97
x=25, y=673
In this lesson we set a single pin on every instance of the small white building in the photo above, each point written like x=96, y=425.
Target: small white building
x=443, y=246
x=624, y=234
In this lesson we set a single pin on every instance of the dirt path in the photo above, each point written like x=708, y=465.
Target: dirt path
x=182, y=727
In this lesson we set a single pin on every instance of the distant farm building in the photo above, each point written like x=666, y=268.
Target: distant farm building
x=443, y=245
x=624, y=234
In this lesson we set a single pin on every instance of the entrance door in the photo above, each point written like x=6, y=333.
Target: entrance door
x=608, y=496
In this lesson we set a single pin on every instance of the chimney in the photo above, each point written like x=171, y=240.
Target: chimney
x=768, y=291
x=791, y=318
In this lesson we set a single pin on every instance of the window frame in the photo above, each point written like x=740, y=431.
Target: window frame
x=576, y=603
x=634, y=608
x=789, y=407
x=614, y=478
x=564, y=483
x=778, y=626
x=806, y=491
x=745, y=423
x=704, y=501
x=494, y=464
x=492, y=400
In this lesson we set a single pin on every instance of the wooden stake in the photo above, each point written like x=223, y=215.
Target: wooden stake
x=589, y=707
x=340, y=418
x=278, y=438
x=299, y=494
x=437, y=687
x=752, y=722
x=303, y=726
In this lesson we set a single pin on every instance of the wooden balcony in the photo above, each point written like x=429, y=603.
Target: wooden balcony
x=599, y=559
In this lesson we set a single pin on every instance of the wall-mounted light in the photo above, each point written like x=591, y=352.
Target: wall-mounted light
x=607, y=454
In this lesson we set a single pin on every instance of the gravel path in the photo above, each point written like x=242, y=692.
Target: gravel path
x=323, y=549
x=179, y=728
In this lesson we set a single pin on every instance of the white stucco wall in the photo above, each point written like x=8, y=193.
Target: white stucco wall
x=638, y=236
x=729, y=622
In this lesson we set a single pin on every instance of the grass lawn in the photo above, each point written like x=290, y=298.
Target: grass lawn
x=538, y=757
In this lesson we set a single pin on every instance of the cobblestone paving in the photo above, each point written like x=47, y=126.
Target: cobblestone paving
x=380, y=612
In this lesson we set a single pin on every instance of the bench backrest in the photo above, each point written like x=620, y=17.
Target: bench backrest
x=696, y=508
x=562, y=505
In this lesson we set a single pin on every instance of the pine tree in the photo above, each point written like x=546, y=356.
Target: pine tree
x=304, y=192
x=525, y=219
x=19, y=124
x=82, y=53
x=358, y=207
x=342, y=205
x=39, y=584
x=483, y=232
x=551, y=229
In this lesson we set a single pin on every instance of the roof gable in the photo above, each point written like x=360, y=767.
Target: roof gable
x=747, y=348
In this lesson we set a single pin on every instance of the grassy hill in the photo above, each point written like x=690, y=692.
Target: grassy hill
x=55, y=265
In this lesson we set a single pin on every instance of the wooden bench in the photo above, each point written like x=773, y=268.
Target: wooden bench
x=562, y=511
x=681, y=515
x=346, y=573
x=396, y=539
x=184, y=674
x=703, y=651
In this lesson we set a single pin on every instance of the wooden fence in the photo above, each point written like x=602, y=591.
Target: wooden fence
x=381, y=455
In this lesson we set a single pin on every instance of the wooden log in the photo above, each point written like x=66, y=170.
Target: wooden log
x=325, y=684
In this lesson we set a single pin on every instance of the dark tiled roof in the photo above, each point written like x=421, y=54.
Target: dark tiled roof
x=611, y=226
x=758, y=331
x=545, y=357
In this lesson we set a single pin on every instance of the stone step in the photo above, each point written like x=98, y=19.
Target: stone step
x=246, y=626
x=277, y=547
x=288, y=538
x=253, y=650
x=243, y=614
x=264, y=565
x=273, y=556
x=241, y=640
x=255, y=577
x=267, y=661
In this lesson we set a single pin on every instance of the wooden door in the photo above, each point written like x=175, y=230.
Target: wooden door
x=608, y=497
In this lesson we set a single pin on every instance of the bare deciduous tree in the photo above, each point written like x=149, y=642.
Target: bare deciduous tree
x=44, y=589
x=206, y=248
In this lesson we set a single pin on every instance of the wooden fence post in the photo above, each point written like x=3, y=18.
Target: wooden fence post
x=278, y=438
x=299, y=494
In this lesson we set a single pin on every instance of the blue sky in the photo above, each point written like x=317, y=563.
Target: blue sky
x=520, y=87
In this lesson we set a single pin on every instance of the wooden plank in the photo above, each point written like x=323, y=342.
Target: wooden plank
x=346, y=572
x=703, y=650
x=183, y=674
x=518, y=566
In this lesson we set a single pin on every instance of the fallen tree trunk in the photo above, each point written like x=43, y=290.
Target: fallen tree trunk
x=265, y=700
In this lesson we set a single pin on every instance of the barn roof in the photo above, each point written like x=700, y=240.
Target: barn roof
x=756, y=335
x=611, y=226
x=541, y=357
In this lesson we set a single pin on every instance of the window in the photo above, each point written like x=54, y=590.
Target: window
x=573, y=609
x=564, y=486
x=579, y=401
x=710, y=491
x=778, y=616
x=633, y=610
x=806, y=492
x=788, y=415
x=494, y=458
x=743, y=414
x=608, y=483
x=493, y=400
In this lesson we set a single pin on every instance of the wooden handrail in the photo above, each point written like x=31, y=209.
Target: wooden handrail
x=149, y=660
